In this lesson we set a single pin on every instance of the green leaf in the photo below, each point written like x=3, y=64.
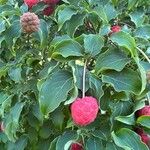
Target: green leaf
x=59, y=39
x=95, y=86
x=65, y=15
x=104, y=12
x=93, y=44
x=132, y=3
x=67, y=136
x=67, y=49
x=101, y=134
x=39, y=8
x=5, y=102
x=121, y=108
x=3, y=137
x=79, y=77
x=15, y=74
x=46, y=130
x=110, y=8
x=11, y=121
x=2, y=26
x=144, y=121
x=54, y=91
x=53, y=144
x=126, y=41
x=72, y=25
x=137, y=17
x=104, y=30
x=123, y=81
x=142, y=74
x=15, y=31
x=20, y=144
x=115, y=2
x=112, y=146
x=74, y=92
x=143, y=32
x=43, y=33
x=1, y=40
x=128, y=140
x=57, y=118
x=130, y=119
x=111, y=59
x=94, y=144
x=72, y=96
x=101, y=13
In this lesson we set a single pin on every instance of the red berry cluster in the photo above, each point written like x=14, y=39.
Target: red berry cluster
x=145, y=111
x=48, y=10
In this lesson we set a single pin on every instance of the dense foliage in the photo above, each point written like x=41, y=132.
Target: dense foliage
x=42, y=74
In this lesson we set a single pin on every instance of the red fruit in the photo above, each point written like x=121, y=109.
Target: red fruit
x=51, y=1
x=76, y=146
x=29, y=22
x=48, y=10
x=144, y=137
x=31, y=3
x=145, y=111
x=115, y=28
x=84, y=110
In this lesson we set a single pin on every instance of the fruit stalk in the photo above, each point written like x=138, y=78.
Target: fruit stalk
x=84, y=78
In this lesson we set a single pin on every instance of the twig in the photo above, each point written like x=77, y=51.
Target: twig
x=83, y=79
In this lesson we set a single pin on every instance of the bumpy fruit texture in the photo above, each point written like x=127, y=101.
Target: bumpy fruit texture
x=145, y=111
x=48, y=10
x=84, y=110
x=31, y=3
x=51, y=1
x=76, y=146
x=144, y=137
x=29, y=22
x=115, y=29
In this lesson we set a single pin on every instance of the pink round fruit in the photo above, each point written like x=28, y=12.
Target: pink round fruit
x=115, y=29
x=84, y=110
x=145, y=111
x=48, y=10
x=31, y=3
x=144, y=137
x=76, y=146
